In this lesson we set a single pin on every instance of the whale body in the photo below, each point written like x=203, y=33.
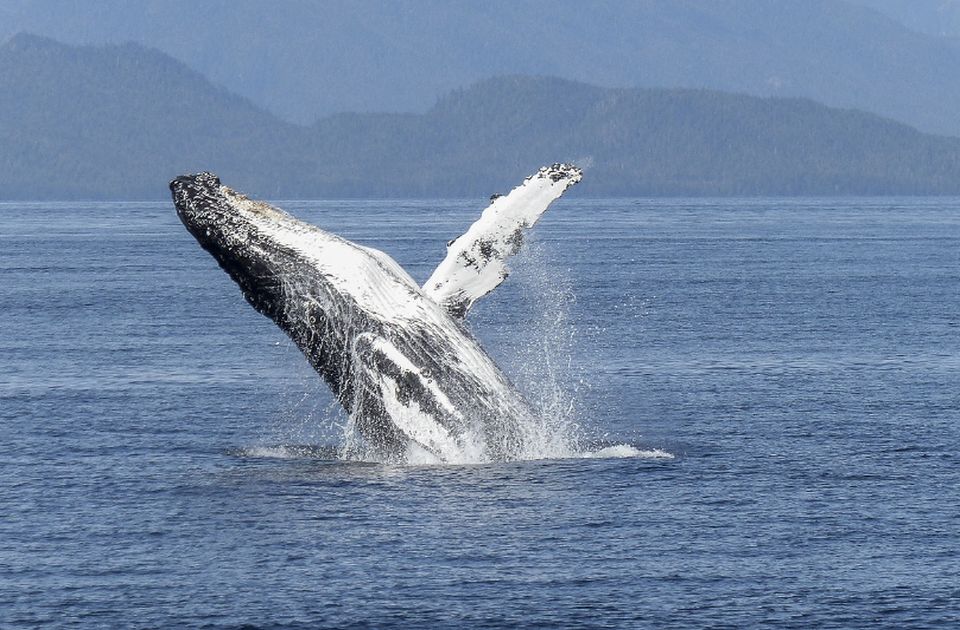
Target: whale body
x=398, y=357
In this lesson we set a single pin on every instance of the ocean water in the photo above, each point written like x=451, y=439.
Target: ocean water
x=770, y=390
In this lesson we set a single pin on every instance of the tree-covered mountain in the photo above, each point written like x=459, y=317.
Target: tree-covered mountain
x=302, y=59
x=117, y=122
x=633, y=142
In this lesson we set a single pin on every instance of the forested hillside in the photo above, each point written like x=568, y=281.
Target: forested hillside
x=117, y=122
x=303, y=60
x=634, y=142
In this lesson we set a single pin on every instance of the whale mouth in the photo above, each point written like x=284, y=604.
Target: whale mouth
x=193, y=179
x=194, y=185
x=196, y=196
x=230, y=234
x=210, y=213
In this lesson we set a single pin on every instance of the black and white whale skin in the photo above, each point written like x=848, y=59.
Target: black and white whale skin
x=397, y=356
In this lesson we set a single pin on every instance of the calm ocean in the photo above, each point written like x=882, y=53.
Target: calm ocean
x=783, y=376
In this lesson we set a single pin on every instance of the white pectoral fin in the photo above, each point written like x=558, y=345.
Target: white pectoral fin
x=476, y=261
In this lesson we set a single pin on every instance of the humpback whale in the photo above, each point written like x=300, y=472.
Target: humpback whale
x=397, y=356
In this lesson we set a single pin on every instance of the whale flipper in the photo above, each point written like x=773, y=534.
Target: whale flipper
x=476, y=261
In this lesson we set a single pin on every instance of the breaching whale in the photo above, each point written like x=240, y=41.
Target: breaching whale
x=397, y=356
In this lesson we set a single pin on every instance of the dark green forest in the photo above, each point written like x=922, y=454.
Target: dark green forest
x=117, y=122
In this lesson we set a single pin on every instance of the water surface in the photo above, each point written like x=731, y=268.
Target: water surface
x=169, y=459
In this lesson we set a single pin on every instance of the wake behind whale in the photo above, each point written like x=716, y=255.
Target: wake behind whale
x=398, y=357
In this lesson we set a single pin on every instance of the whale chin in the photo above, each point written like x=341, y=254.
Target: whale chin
x=396, y=356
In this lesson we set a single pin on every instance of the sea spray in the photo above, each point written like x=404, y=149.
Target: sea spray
x=537, y=350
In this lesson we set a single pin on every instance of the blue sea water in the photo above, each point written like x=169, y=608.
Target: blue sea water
x=167, y=459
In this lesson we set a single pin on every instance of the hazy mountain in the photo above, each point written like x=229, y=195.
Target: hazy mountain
x=302, y=59
x=120, y=121
x=632, y=142
x=940, y=18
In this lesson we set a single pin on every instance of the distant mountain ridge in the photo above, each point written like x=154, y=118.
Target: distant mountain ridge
x=940, y=18
x=302, y=60
x=118, y=121
x=102, y=122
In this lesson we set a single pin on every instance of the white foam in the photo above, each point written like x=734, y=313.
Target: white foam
x=288, y=451
x=270, y=452
x=625, y=450
x=418, y=456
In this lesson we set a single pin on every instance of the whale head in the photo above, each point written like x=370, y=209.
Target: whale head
x=312, y=283
x=245, y=237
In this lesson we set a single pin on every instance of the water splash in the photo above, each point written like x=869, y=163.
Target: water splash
x=625, y=450
x=540, y=353
x=421, y=457
x=536, y=349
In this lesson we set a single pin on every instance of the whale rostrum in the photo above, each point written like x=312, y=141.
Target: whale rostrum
x=397, y=356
